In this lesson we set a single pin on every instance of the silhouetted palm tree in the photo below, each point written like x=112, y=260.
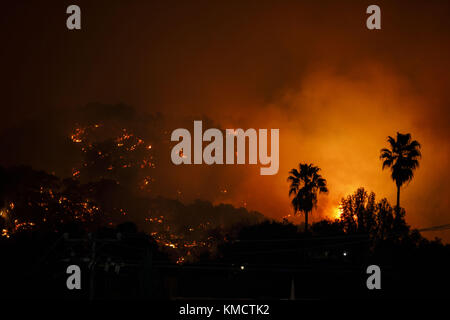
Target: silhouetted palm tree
x=403, y=158
x=306, y=183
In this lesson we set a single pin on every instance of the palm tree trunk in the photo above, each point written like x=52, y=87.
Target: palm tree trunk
x=306, y=221
x=398, y=199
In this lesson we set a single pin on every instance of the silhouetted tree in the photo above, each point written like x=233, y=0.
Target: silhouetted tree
x=358, y=212
x=403, y=158
x=362, y=214
x=306, y=183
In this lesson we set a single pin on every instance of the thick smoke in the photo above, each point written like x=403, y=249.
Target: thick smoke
x=334, y=89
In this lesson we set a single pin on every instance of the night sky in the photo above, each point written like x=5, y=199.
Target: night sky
x=335, y=89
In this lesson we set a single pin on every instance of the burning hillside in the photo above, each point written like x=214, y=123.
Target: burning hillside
x=35, y=200
x=117, y=174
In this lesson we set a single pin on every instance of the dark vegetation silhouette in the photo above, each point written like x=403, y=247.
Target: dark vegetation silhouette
x=305, y=184
x=362, y=214
x=402, y=158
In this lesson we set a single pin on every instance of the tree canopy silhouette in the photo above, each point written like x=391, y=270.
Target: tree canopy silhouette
x=362, y=214
x=403, y=158
x=306, y=183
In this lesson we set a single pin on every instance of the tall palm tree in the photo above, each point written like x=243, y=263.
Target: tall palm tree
x=306, y=183
x=403, y=158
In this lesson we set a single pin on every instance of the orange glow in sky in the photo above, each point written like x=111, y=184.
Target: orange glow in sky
x=335, y=90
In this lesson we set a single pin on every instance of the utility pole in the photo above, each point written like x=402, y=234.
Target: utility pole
x=94, y=256
x=92, y=264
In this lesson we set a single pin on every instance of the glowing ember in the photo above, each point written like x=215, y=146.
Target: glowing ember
x=111, y=151
x=5, y=233
x=181, y=260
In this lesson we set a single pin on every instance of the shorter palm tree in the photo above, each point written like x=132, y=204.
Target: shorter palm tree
x=306, y=183
x=403, y=158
